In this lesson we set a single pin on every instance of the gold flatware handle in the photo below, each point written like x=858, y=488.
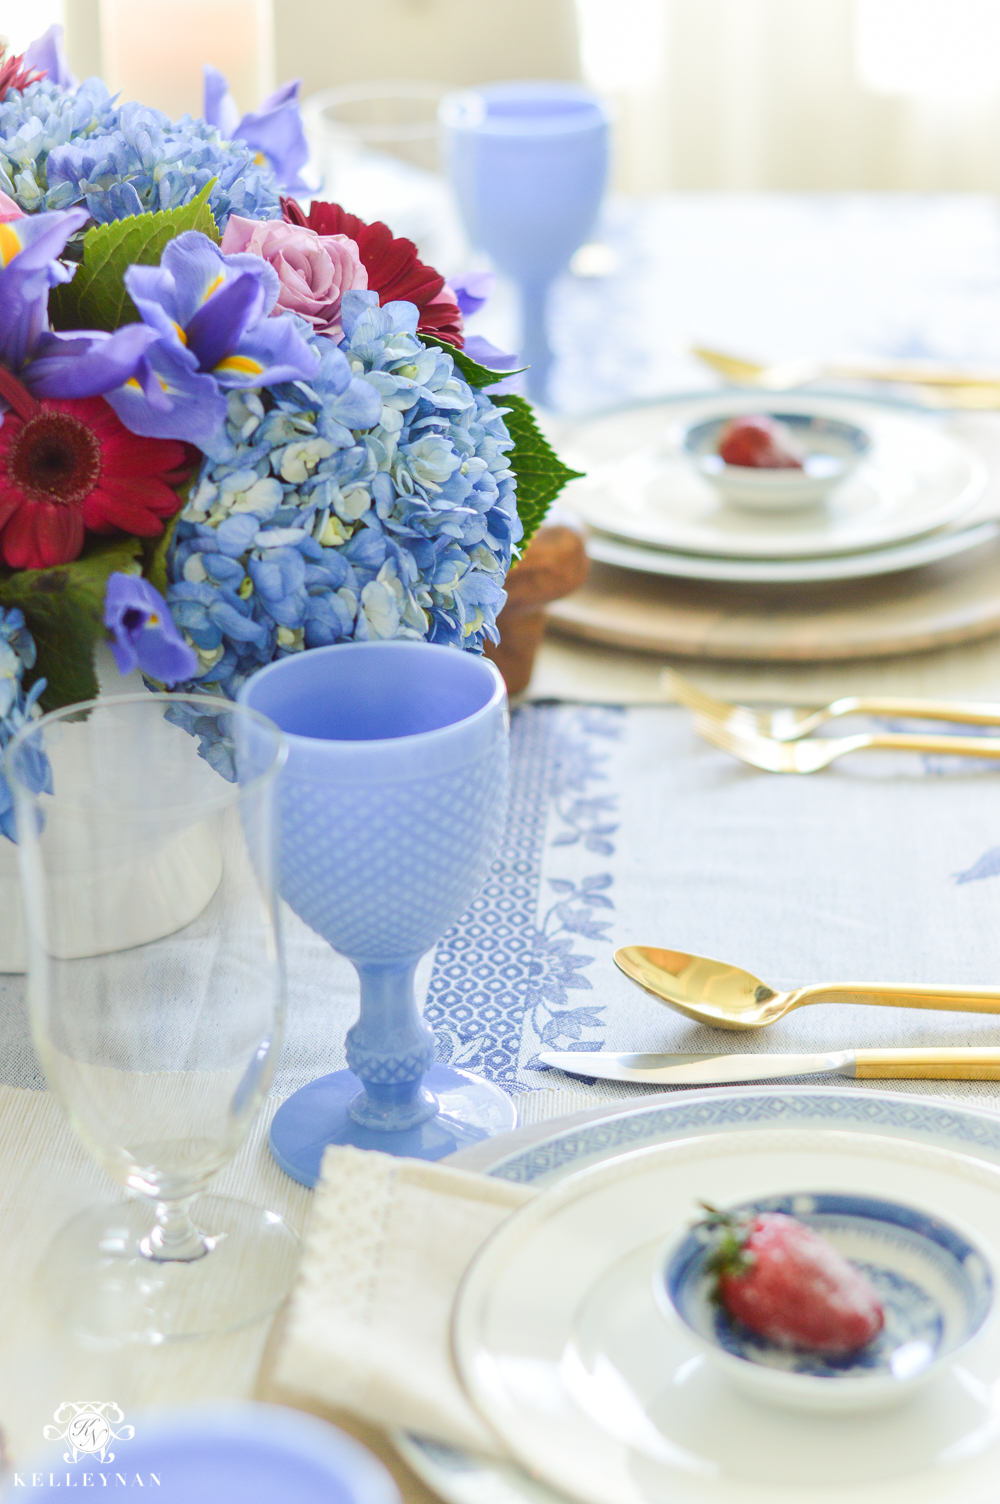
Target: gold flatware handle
x=969, y=712
x=900, y=995
x=918, y=373
x=955, y=746
x=928, y=373
x=960, y=1064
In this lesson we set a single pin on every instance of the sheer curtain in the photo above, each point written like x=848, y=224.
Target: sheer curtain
x=800, y=94
x=739, y=94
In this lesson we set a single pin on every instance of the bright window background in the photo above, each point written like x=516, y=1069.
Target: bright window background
x=732, y=94
x=23, y=20
x=779, y=94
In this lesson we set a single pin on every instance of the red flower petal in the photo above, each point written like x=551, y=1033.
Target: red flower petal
x=134, y=506
x=41, y=534
x=73, y=466
x=394, y=269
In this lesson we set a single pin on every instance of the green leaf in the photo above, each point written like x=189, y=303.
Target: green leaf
x=540, y=472
x=96, y=297
x=154, y=550
x=475, y=374
x=64, y=609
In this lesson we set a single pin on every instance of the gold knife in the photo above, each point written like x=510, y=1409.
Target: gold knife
x=974, y=1063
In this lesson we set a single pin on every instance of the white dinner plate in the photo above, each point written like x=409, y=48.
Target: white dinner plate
x=561, y=1346
x=944, y=544
x=639, y=486
x=463, y=1477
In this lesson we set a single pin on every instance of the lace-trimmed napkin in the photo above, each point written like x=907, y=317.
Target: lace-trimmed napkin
x=368, y=1330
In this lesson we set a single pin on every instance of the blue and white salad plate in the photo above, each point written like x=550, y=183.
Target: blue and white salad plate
x=831, y=451
x=565, y=1352
x=934, y=1283
x=640, y=486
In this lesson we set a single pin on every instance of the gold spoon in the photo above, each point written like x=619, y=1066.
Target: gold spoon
x=726, y=997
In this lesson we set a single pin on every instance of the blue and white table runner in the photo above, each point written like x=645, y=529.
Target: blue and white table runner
x=625, y=828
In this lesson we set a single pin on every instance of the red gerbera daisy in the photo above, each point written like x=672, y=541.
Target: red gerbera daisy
x=394, y=270
x=68, y=466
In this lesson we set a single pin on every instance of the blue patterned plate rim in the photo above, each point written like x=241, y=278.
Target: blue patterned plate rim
x=900, y=1114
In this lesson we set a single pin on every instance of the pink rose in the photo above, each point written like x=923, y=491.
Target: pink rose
x=9, y=210
x=314, y=270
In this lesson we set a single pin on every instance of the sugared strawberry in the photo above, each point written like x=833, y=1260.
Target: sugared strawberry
x=788, y=1284
x=760, y=443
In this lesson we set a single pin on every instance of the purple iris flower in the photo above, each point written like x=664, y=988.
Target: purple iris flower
x=144, y=633
x=210, y=315
x=29, y=267
x=274, y=131
x=472, y=289
x=83, y=362
x=46, y=53
x=212, y=311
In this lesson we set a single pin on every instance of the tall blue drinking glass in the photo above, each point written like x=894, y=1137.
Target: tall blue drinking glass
x=391, y=808
x=528, y=163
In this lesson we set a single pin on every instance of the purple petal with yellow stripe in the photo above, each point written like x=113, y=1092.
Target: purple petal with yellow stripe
x=221, y=323
x=185, y=404
x=276, y=133
x=153, y=292
x=29, y=267
x=143, y=632
x=87, y=362
x=273, y=352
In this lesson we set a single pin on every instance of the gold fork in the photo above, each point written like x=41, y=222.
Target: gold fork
x=819, y=752
x=790, y=723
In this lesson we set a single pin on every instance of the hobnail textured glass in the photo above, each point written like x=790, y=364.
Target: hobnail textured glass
x=391, y=809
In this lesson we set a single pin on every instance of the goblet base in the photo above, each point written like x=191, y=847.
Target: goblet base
x=471, y=1109
x=98, y=1284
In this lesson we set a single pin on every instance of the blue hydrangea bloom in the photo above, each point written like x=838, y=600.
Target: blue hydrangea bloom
x=374, y=502
x=63, y=146
x=17, y=653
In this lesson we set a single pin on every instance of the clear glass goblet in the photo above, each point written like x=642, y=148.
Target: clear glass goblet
x=528, y=164
x=156, y=994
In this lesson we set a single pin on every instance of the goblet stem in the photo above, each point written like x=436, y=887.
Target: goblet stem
x=390, y=1049
x=175, y=1237
x=535, y=351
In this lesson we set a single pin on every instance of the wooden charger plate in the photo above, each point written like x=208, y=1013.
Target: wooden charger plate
x=956, y=600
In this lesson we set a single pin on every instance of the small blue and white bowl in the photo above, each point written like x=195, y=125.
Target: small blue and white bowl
x=935, y=1284
x=833, y=450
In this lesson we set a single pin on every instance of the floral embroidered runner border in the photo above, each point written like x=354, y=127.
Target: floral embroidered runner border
x=625, y=828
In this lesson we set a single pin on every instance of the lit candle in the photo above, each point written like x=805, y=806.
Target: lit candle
x=153, y=50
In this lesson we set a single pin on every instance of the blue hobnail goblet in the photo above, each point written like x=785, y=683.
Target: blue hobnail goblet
x=528, y=164
x=391, y=809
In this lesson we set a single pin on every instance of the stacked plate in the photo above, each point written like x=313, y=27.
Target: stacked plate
x=915, y=499
x=594, y=1396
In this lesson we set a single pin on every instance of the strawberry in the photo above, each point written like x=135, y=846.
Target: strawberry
x=788, y=1284
x=759, y=442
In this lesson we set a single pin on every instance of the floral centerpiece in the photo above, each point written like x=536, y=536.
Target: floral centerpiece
x=230, y=429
